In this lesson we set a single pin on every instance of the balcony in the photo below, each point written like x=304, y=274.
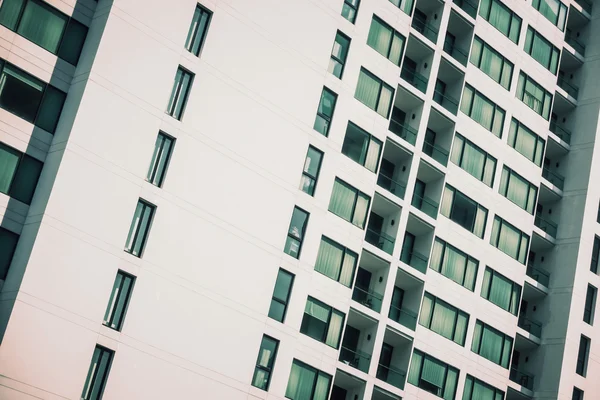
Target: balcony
x=415, y=259
x=530, y=326
x=554, y=178
x=575, y=43
x=425, y=28
x=347, y=387
x=571, y=89
x=418, y=58
x=394, y=358
x=563, y=133
x=406, y=115
x=357, y=345
x=414, y=78
x=468, y=6
x=380, y=240
x=459, y=54
x=371, y=277
x=404, y=317
x=394, y=169
x=585, y=5
x=459, y=36
x=425, y=204
x=403, y=130
x=437, y=153
x=417, y=243
x=355, y=359
x=546, y=225
x=368, y=298
x=522, y=378
x=382, y=226
x=448, y=86
x=448, y=102
x=539, y=275
x=428, y=189
x=391, y=376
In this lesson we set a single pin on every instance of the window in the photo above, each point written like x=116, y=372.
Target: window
x=554, y=11
x=501, y=291
x=491, y=62
x=350, y=9
x=577, y=394
x=595, y=255
x=590, y=305
x=322, y=322
x=97, y=374
x=518, y=190
x=160, y=159
x=482, y=110
x=310, y=173
x=265, y=362
x=509, y=240
x=362, y=147
x=454, y=264
x=473, y=159
x=479, y=390
x=501, y=18
x=341, y=45
x=296, y=231
x=198, y=30
x=336, y=261
x=119, y=300
x=8, y=244
x=433, y=375
x=29, y=98
x=19, y=174
x=140, y=226
x=45, y=26
x=582, y=356
x=444, y=319
x=464, y=211
x=349, y=203
x=385, y=40
x=374, y=93
x=534, y=96
x=541, y=50
x=526, y=142
x=325, y=111
x=180, y=93
x=404, y=5
x=492, y=344
x=281, y=295
x=307, y=383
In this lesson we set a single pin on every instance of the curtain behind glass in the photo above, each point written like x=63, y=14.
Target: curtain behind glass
x=348, y=267
x=481, y=392
x=509, y=241
x=42, y=25
x=457, y=149
x=379, y=37
x=491, y=345
x=436, y=255
x=367, y=90
x=9, y=13
x=450, y=385
x=415, y=368
x=517, y=190
x=473, y=160
x=462, y=323
x=385, y=100
x=317, y=310
x=471, y=274
x=447, y=200
x=396, y=49
x=476, y=51
x=433, y=372
x=443, y=319
x=300, y=383
x=467, y=392
x=500, y=18
x=372, y=158
x=426, y=309
x=322, y=387
x=342, y=200
x=480, y=220
x=335, y=329
x=360, y=210
x=501, y=291
x=483, y=112
x=541, y=50
x=454, y=264
x=9, y=160
x=525, y=143
x=329, y=259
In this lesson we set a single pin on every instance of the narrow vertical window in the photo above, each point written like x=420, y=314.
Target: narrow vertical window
x=281, y=295
x=19, y=174
x=350, y=9
x=595, y=255
x=295, y=237
x=119, y=301
x=97, y=374
x=8, y=244
x=160, y=159
x=577, y=394
x=198, y=30
x=180, y=93
x=325, y=111
x=140, y=226
x=310, y=172
x=590, y=305
x=265, y=362
x=339, y=53
x=582, y=356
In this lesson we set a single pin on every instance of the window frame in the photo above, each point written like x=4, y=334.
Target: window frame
x=457, y=311
x=333, y=57
x=327, y=119
x=484, y=46
x=442, y=257
x=382, y=85
x=595, y=255
x=348, y=4
x=306, y=175
x=424, y=356
x=290, y=236
x=111, y=310
x=155, y=162
x=21, y=157
x=504, y=190
x=357, y=194
x=9, y=256
x=190, y=42
x=370, y=139
x=535, y=35
x=561, y=8
x=176, y=93
x=589, y=310
x=472, y=381
x=152, y=209
x=393, y=34
x=345, y=250
x=488, y=158
x=269, y=369
x=452, y=210
x=511, y=305
x=317, y=372
x=582, y=363
x=92, y=374
x=280, y=301
x=332, y=311
x=485, y=14
x=498, y=332
x=513, y=135
x=522, y=83
x=482, y=97
x=494, y=241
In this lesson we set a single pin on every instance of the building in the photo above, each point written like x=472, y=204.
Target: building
x=311, y=199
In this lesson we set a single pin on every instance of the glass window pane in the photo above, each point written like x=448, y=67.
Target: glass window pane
x=367, y=90
x=73, y=41
x=342, y=200
x=43, y=25
x=9, y=13
x=356, y=143
x=329, y=258
x=9, y=160
x=26, y=179
x=197, y=31
x=20, y=93
x=8, y=244
x=50, y=109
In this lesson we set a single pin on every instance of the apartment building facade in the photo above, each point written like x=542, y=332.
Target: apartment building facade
x=310, y=199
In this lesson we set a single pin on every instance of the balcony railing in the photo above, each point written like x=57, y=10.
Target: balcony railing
x=561, y=132
x=448, y=102
x=427, y=30
x=468, y=6
x=380, y=240
x=586, y=5
x=522, y=378
x=568, y=87
x=573, y=41
x=546, y=225
x=355, y=358
x=426, y=205
x=405, y=132
x=404, y=317
x=436, y=152
x=416, y=260
x=391, y=375
x=395, y=187
x=368, y=298
x=538, y=275
x=554, y=178
x=457, y=53
x=531, y=326
x=414, y=78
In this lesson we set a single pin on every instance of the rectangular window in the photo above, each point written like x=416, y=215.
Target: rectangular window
x=322, y=323
x=119, y=300
x=339, y=53
x=509, y=240
x=296, y=231
x=590, y=305
x=582, y=356
x=97, y=374
x=492, y=344
x=541, y=50
x=501, y=291
x=454, y=264
x=198, y=30
x=595, y=255
x=362, y=147
x=325, y=111
x=350, y=9
x=281, y=295
x=19, y=174
x=433, y=375
x=534, y=96
x=526, y=142
x=180, y=93
x=265, y=362
x=444, y=319
x=501, y=18
x=160, y=159
x=577, y=394
x=385, y=40
x=554, y=11
x=45, y=26
x=310, y=173
x=464, y=211
x=336, y=261
x=8, y=245
x=491, y=62
x=404, y=5
x=307, y=383
x=140, y=226
x=518, y=189
x=349, y=203
x=473, y=159
x=476, y=389
x=374, y=93
x=482, y=110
